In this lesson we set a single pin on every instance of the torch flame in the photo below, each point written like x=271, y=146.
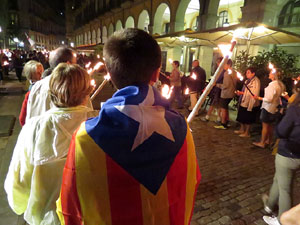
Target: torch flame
x=166, y=91
x=225, y=49
x=295, y=82
x=107, y=77
x=98, y=65
x=187, y=91
x=90, y=70
x=271, y=66
x=5, y=63
x=239, y=75
x=194, y=76
x=93, y=83
x=75, y=55
x=88, y=65
x=171, y=61
x=229, y=71
x=98, y=56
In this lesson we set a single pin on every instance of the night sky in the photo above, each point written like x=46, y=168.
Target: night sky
x=57, y=5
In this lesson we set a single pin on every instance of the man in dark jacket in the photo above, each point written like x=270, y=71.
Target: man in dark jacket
x=196, y=83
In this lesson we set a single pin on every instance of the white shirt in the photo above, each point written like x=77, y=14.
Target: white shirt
x=39, y=100
x=271, y=97
x=247, y=100
x=34, y=177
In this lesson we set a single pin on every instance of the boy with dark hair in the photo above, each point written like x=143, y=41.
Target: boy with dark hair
x=135, y=163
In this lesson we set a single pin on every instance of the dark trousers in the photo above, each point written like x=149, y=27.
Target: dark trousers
x=19, y=73
x=176, y=94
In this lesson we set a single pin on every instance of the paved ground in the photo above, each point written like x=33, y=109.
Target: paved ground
x=234, y=174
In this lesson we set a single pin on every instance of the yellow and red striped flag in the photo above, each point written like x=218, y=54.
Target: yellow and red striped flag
x=134, y=164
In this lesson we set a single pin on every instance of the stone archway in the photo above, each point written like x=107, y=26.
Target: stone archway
x=98, y=35
x=229, y=12
x=162, y=19
x=181, y=14
x=94, y=37
x=89, y=37
x=110, y=29
x=85, y=38
x=144, y=20
x=104, y=34
x=119, y=25
x=129, y=22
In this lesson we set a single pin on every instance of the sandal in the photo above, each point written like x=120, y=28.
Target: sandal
x=258, y=144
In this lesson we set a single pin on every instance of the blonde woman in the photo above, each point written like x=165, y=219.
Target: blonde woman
x=34, y=178
x=268, y=115
x=32, y=71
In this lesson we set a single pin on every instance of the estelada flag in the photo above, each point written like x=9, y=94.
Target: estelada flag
x=134, y=164
x=31, y=42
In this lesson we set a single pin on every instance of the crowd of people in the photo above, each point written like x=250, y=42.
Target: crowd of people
x=73, y=165
x=17, y=59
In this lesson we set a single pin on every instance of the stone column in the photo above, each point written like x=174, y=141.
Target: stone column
x=176, y=26
x=253, y=11
x=205, y=59
x=174, y=54
x=208, y=21
x=271, y=13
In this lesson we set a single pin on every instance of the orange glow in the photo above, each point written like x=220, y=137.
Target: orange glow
x=90, y=71
x=166, y=91
x=187, y=91
x=98, y=65
x=88, y=65
x=239, y=75
x=194, y=76
x=107, y=77
x=93, y=83
x=225, y=49
x=271, y=66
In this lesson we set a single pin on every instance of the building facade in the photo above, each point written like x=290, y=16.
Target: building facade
x=34, y=19
x=93, y=21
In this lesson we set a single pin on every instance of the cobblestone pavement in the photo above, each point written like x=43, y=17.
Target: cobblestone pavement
x=234, y=173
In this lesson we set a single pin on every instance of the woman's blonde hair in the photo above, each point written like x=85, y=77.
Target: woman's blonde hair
x=30, y=69
x=69, y=85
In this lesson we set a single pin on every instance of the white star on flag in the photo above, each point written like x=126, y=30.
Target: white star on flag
x=151, y=119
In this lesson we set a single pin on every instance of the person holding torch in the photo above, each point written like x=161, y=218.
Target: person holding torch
x=196, y=82
x=270, y=101
x=248, y=106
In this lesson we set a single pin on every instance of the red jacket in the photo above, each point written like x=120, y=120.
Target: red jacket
x=22, y=116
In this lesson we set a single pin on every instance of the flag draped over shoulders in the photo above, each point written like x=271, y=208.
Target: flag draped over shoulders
x=133, y=164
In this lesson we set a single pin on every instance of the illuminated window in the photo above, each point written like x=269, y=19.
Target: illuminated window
x=223, y=18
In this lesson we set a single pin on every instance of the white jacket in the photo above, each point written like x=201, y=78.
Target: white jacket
x=34, y=177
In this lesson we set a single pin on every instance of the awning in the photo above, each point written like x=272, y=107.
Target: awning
x=245, y=33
